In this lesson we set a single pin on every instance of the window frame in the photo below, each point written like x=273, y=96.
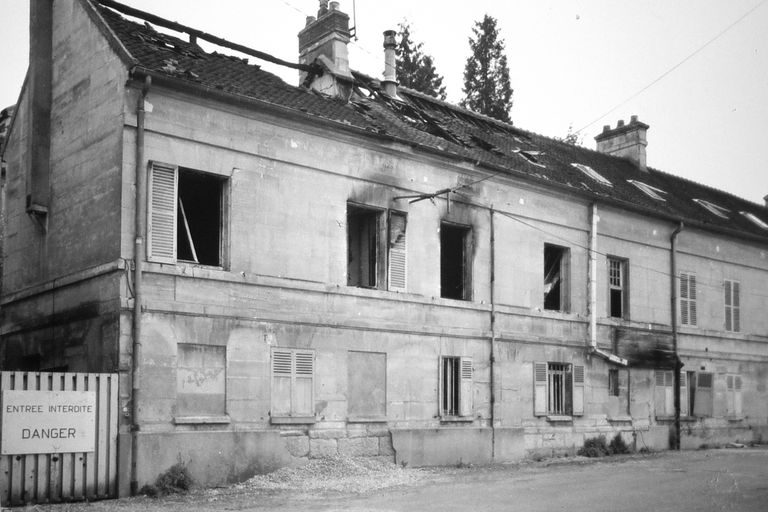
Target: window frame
x=184, y=416
x=163, y=206
x=732, y=305
x=649, y=190
x=623, y=288
x=592, y=174
x=462, y=391
x=664, y=394
x=733, y=396
x=278, y=370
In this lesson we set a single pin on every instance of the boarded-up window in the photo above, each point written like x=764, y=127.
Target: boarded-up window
x=704, y=394
x=293, y=373
x=558, y=389
x=733, y=385
x=664, y=396
x=201, y=380
x=613, y=382
x=618, y=291
x=185, y=217
x=456, y=386
x=688, y=299
x=455, y=262
x=366, y=385
x=732, y=306
x=556, y=279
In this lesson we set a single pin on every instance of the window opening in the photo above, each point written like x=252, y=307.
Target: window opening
x=691, y=398
x=688, y=299
x=198, y=219
x=292, y=383
x=712, y=208
x=650, y=191
x=755, y=220
x=456, y=386
x=596, y=176
x=454, y=262
x=613, y=382
x=362, y=246
x=732, y=306
x=733, y=403
x=555, y=277
x=703, y=404
x=617, y=279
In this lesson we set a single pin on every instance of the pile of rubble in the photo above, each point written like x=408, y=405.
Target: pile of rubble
x=337, y=474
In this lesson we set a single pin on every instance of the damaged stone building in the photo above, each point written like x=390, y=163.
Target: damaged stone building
x=350, y=267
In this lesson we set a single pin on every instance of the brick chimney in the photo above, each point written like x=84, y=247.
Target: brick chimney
x=324, y=40
x=626, y=141
x=40, y=84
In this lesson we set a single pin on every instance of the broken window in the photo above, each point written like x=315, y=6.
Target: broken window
x=454, y=262
x=185, y=215
x=362, y=246
x=555, y=277
x=712, y=208
x=456, y=386
x=649, y=190
x=593, y=174
x=732, y=306
x=558, y=389
x=757, y=221
x=376, y=258
x=293, y=374
x=688, y=299
x=201, y=380
x=617, y=288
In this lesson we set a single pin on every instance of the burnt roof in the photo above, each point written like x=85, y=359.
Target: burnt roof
x=438, y=127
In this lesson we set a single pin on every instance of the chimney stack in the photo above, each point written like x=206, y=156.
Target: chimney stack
x=390, y=63
x=324, y=41
x=625, y=141
x=765, y=198
x=40, y=87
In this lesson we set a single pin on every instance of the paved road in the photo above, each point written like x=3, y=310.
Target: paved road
x=719, y=480
x=700, y=481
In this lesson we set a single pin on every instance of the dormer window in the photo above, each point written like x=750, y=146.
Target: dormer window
x=650, y=191
x=713, y=208
x=592, y=174
x=755, y=219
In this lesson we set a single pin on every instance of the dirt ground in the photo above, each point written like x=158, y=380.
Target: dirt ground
x=727, y=479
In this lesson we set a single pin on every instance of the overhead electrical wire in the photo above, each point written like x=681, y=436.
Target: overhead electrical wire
x=673, y=68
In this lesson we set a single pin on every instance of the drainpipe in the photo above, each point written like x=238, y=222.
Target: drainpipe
x=674, y=302
x=592, y=289
x=493, y=338
x=138, y=262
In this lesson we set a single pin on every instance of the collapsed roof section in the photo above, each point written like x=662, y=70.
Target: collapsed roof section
x=431, y=125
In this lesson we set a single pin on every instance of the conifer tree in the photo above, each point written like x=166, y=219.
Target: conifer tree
x=415, y=69
x=486, y=75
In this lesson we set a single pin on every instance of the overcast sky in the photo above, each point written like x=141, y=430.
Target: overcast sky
x=571, y=63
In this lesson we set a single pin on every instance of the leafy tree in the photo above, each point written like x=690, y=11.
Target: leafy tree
x=571, y=137
x=415, y=69
x=486, y=74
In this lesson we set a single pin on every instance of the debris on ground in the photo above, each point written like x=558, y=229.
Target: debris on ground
x=735, y=445
x=338, y=474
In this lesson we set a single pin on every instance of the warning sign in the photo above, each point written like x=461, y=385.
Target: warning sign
x=48, y=422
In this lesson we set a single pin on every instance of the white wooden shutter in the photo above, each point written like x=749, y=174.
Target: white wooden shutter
x=465, y=387
x=161, y=227
x=703, y=399
x=540, y=389
x=303, y=389
x=282, y=372
x=578, y=390
x=397, y=252
x=684, y=316
x=683, y=394
x=736, y=307
x=692, y=298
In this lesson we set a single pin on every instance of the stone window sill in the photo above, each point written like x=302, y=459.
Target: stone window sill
x=292, y=420
x=456, y=419
x=690, y=419
x=367, y=419
x=620, y=419
x=555, y=418
x=202, y=420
